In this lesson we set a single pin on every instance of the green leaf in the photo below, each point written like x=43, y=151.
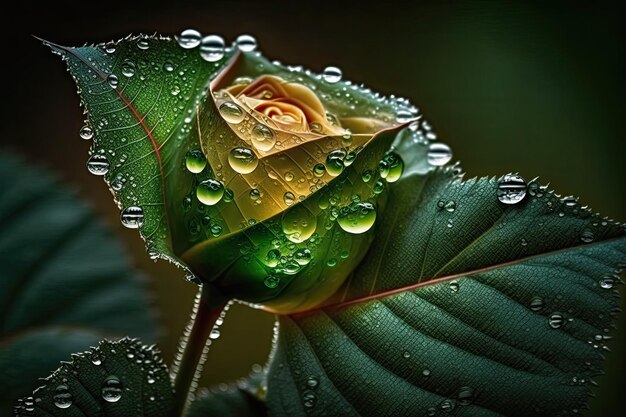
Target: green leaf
x=123, y=378
x=243, y=399
x=66, y=282
x=474, y=308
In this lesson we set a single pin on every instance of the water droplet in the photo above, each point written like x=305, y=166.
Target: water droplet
x=302, y=256
x=446, y=406
x=189, y=39
x=143, y=44
x=334, y=162
x=312, y=382
x=465, y=396
x=246, y=43
x=450, y=206
x=98, y=164
x=431, y=412
x=291, y=268
x=113, y=80
x=570, y=201
x=231, y=112
x=112, y=389
x=319, y=170
x=332, y=75
x=95, y=359
x=406, y=354
x=195, y=161
x=86, y=132
x=511, y=189
x=212, y=48
x=357, y=217
x=391, y=167
x=587, y=236
x=607, y=282
x=331, y=262
x=263, y=137
x=255, y=194
x=367, y=175
x=379, y=187
x=556, y=320
x=128, y=69
x=210, y=191
x=271, y=281
x=308, y=399
x=132, y=217
x=439, y=154
x=272, y=258
x=403, y=116
x=215, y=334
x=298, y=223
x=315, y=127
x=536, y=303
x=109, y=48
x=289, y=198
x=242, y=160
x=62, y=396
x=454, y=286
x=168, y=67
x=426, y=372
x=150, y=380
x=216, y=230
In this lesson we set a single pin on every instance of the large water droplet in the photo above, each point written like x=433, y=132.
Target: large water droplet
x=465, y=396
x=334, y=162
x=62, y=396
x=113, y=80
x=289, y=198
x=128, y=69
x=246, y=43
x=195, y=161
x=511, y=189
x=262, y=137
x=556, y=320
x=298, y=224
x=242, y=160
x=271, y=281
x=357, y=217
x=391, y=167
x=86, y=132
x=439, y=154
x=132, y=217
x=210, y=191
x=332, y=75
x=212, y=48
x=98, y=164
x=189, y=39
x=231, y=112
x=536, y=303
x=111, y=389
x=302, y=256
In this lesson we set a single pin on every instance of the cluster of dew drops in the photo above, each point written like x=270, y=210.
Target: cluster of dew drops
x=212, y=48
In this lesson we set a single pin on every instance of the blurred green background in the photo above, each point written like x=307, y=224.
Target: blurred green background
x=511, y=86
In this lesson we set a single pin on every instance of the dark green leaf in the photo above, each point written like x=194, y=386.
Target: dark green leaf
x=123, y=378
x=485, y=309
x=66, y=282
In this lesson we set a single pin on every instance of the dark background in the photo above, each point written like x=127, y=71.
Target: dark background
x=511, y=86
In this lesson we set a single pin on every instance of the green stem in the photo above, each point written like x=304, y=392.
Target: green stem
x=209, y=307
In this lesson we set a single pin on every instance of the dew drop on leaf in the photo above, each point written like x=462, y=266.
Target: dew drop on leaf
x=334, y=162
x=113, y=80
x=465, y=396
x=289, y=198
x=98, y=164
x=454, y=286
x=143, y=44
x=312, y=382
x=210, y=191
x=195, y=161
x=271, y=281
x=403, y=116
x=298, y=224
x=511, y=189
x=556, y=320
x=111, y=389
x=246, y=43
x=262, y=137
x=439, y=154
x=587, y=236
x=332, y=75
x=128, y=69
x=215, y=334
x=231, y=112
x=62, y=396
x=536, y=303
x=86, y=132
x=607, y=282
x=357, y=217
x=303, y=256
x=189, y=39
x=132, y=217
x=212, y=48
x=242, y=160
x=309, y=399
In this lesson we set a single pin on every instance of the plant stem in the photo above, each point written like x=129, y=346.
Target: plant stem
x=209, y=307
